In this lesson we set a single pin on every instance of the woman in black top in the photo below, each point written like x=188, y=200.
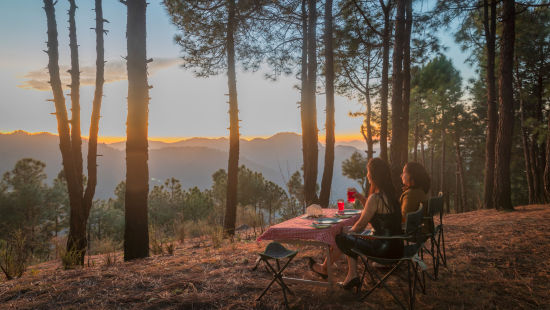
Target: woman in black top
x=383, y=212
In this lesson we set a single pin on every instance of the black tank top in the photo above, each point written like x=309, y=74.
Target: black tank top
x=386, y=224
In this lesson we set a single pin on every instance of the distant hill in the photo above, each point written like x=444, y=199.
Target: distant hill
x=192, y=161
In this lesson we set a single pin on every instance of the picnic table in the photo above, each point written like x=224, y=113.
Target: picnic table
x=299, y=231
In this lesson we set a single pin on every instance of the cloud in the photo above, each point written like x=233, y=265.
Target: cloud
x=114, y=71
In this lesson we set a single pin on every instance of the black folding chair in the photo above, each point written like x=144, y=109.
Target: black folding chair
x=275, y=251
x=413, y=241
x=435, y=234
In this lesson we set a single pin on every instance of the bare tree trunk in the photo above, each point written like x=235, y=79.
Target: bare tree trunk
x=442, y=172
x=406, y=83
x=397, y=139
x=489, y=22
x=422, y=149
x=76, y=241
x=460, y=170
x=304, y=83
x=525, y=138
x=326, y=182
x=384, y=90
x=370, y=143
x=502, y=187
x=233, y=164
x=76, y=139
x=416, y=138
x=136, y=233
x=63, y=128
x=310, y=134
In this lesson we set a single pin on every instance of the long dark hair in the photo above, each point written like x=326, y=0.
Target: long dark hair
x=418, y=175
x=381, y=180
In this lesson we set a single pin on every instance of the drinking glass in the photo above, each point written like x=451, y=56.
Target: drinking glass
x=340, y=204
x=351, y=195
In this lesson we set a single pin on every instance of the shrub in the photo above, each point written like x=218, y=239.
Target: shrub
x=170, y=248
x=70, y=259
x=13, y=255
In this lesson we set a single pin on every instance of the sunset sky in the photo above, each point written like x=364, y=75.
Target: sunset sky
x=181, y=105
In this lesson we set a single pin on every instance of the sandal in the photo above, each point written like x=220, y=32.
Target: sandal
x=311, y=263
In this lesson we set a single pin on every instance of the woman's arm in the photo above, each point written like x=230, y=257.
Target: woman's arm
x=368, y=212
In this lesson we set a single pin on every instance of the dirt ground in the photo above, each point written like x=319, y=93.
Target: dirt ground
x=496, y=260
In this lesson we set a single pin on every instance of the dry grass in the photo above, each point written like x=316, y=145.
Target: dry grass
x=496, y=261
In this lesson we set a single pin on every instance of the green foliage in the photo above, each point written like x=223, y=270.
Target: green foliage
x=204, y=43
x=355, y=168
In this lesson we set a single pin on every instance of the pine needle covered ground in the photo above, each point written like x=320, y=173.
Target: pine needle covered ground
x=496, y=261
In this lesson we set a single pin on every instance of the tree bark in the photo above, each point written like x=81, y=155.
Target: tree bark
x=442, y=172
x=310, y=134
x=76, y=240
x=489, y=24
x=136, y=235
x=460, y=170
x=406, y=83
x=304, y=84
x=384, y=90
x=525, y=138
x=96, y=109
x=63, y=128
x=233, y=164
x=76, y=139
x=326, y=182
x=502, y=186
x=397, y=99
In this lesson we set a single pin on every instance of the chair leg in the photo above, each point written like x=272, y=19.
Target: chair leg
x=443, y=245
x=381, y=282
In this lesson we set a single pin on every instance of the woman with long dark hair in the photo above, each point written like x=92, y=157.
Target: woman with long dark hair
x=383, y=212
x=416, y=185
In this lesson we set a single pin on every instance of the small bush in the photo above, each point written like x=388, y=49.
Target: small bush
x=13, y=255
x=70, y=259
x=216, y=236
x=109, y=259
x=170, y=248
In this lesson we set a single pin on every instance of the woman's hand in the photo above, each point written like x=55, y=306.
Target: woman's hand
x=358, y=195
x=346, y=229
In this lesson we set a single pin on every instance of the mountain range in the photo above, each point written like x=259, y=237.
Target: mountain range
x=192, y=161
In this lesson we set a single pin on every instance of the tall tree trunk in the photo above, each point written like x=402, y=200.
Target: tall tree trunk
x=422, y=148
x=397, y=98
x=326, y=182
x=489, y=23
x=442, y=172
x=502, y=188
x=304, y=84
x=233, y=164
x=406, y=83
x=136, y=233
x=416, y=138
x=310, y=134
x=384, y=90
x=460, y=170
x=96, y=108
x=76, y=139
x=525, y=137
x=370, y=143
x=63, y=128
x=76, y=240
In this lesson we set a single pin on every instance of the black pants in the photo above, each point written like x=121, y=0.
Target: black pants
x=371, y=247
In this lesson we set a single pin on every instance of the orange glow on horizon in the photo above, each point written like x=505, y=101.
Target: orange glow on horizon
x=342, y=137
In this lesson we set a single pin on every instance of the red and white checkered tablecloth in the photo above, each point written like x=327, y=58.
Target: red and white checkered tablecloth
x=300, y=229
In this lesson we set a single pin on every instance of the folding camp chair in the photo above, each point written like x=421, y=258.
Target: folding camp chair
x=413, y=240
x=435, y=234
x=275, y=251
